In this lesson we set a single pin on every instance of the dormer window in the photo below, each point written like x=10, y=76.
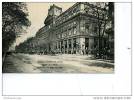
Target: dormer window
x=82, y=6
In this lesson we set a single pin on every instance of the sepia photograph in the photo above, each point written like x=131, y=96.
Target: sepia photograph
x=58, y=37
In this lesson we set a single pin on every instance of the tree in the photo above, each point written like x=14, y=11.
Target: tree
x=100, y=13
x=14, y=21
x=104, y=14
x=110, y=29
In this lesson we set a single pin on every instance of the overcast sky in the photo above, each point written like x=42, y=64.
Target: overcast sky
x=37, y=15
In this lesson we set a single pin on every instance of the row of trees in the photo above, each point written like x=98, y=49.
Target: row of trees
x=31, y=47
x=14, y=23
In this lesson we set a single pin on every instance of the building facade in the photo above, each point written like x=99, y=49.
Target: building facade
x=75, y=31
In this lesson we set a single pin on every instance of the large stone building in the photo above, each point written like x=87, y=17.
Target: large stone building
x=75, y=31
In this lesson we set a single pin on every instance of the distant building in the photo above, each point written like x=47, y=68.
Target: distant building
x=74, y=31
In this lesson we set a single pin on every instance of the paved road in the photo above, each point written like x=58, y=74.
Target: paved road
x=25, y=63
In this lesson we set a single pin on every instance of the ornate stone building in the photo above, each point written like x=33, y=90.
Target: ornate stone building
x=74, y=31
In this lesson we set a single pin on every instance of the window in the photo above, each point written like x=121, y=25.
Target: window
x=63, y=19
x=72, y=31
x=53, y=22
x=82, y=28
x=65, y=33
x=82, y=6
x=69, y=43
x=62, y=35
x=74, y=12
x=74, y=42
x=69, y=31
x=74, y=22
x=59, y=35
x=95, y=29
x=87, y=29
x=75, y=31
x=86, y=43
x=82, y=25
x=65, y=43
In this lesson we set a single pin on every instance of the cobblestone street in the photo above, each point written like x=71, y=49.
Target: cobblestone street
x=26, y=63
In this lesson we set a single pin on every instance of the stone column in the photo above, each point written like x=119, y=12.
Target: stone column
x=60, y=47
x=72, y=46
x=91, y=44
x=57, y=47
x=67, y=46
x=64, y=46
x=77, y=45
x=82, y=45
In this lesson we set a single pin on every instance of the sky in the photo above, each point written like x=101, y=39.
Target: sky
x=37, y=14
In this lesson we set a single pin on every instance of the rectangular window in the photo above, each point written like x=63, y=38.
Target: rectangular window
x=69, y=31
x=62, y=35
x=86, y=43
x=82, y=25
x=82, y=28
x=65, y=43
x=95, y=29
x=75, y=31
x=72, y=31
x=58, y=35
x=69, y=43
x=65, y=33
x=74, y=42
x=87, y=29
